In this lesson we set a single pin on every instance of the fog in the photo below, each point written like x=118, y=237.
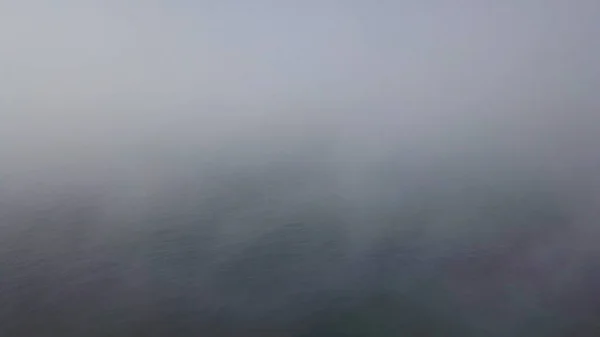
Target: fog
x=299, y=168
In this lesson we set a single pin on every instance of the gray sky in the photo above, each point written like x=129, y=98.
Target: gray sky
x=85, y=81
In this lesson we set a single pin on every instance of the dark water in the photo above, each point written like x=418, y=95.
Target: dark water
x=284, y=249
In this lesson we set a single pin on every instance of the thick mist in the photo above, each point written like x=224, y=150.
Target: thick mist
x=332, y=168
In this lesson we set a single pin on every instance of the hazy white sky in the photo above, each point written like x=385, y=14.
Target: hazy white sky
x=87, y=79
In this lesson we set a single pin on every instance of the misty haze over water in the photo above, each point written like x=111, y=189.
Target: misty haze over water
x=314, y=168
